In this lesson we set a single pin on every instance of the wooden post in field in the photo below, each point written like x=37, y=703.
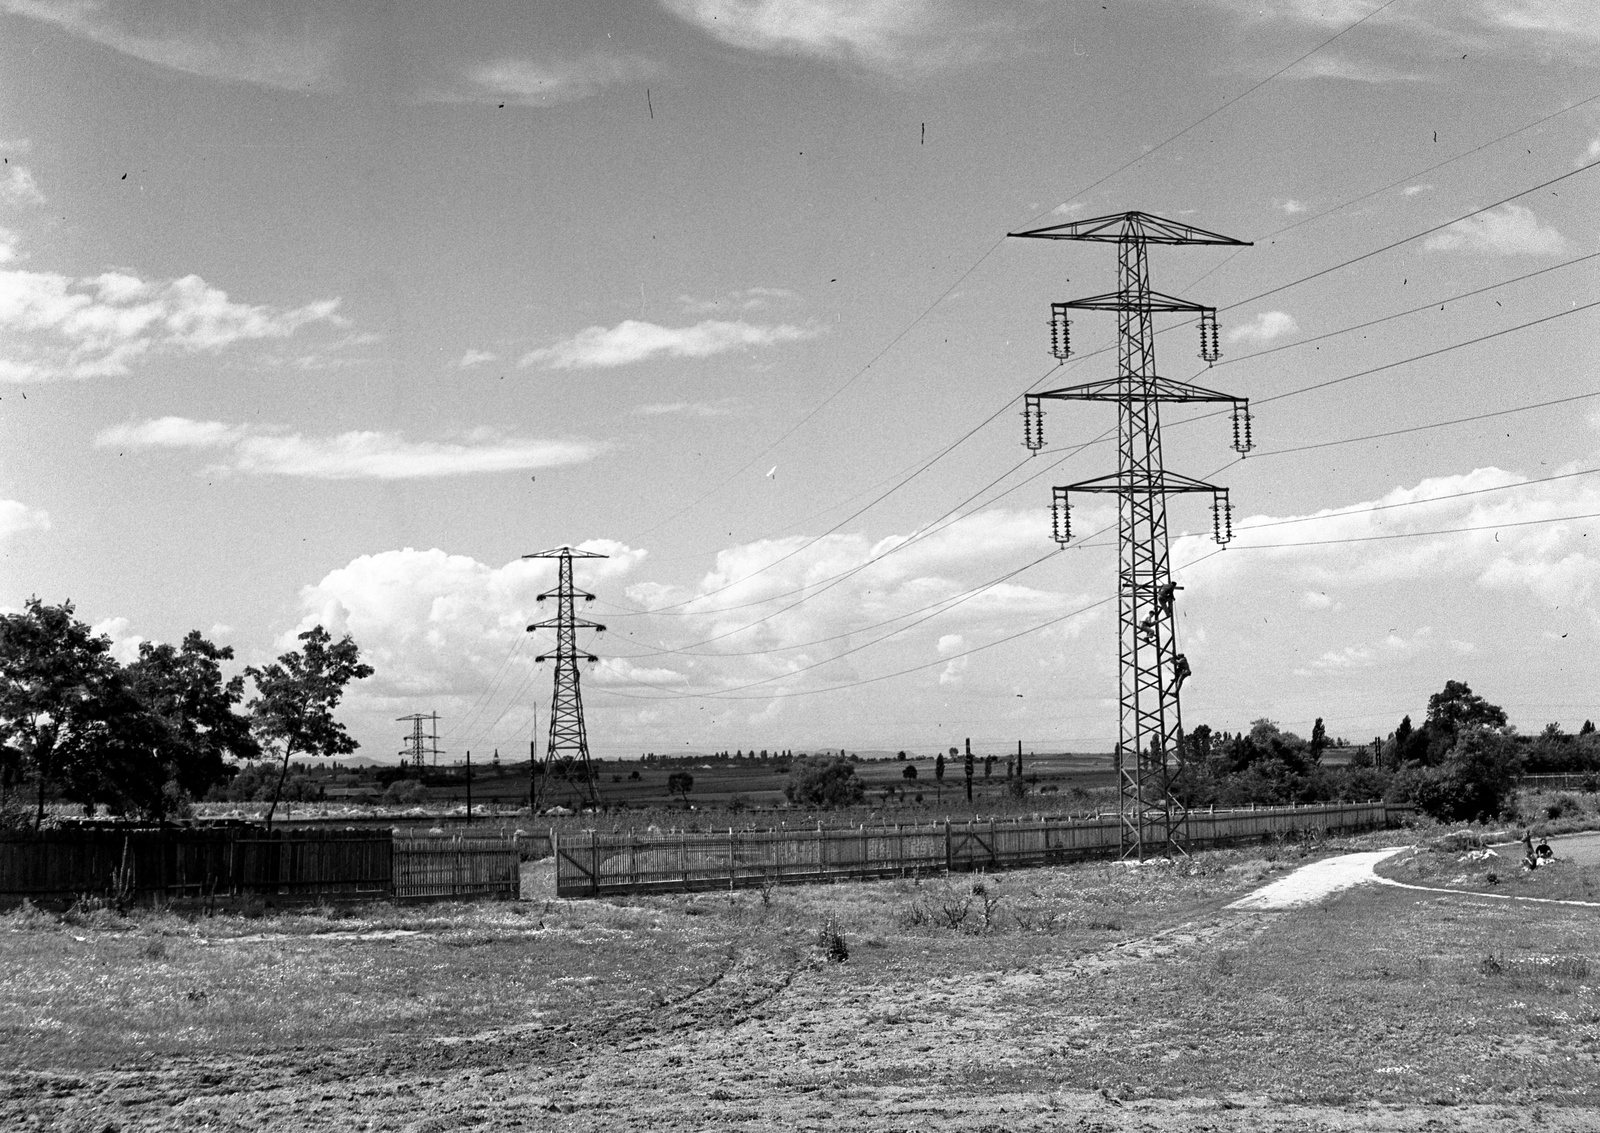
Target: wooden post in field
x=469, y=786
x=949, y=848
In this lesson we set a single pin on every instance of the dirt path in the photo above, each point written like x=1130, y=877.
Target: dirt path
x=1316, y=882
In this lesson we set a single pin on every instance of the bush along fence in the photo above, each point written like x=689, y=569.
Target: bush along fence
x=154, y=865
x=595, y=863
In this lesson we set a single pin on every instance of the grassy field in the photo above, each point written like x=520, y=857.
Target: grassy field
x=1090, y=997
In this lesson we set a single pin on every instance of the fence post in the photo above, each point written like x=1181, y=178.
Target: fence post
x=733, y=860
x=949, y=849
x=594, y=861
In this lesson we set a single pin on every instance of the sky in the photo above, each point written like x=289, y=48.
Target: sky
x=331, y=313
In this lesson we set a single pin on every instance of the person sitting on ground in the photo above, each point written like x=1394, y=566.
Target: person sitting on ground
x=1544, y=851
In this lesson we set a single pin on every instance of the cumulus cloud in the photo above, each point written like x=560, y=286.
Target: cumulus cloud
x=1264, y=328
x=233, y=43
x=446, y=632
x=124, y=645
x=550, y=82
x=896, y=37
x=17, y=517
x=57, y=326
x=353, y=455
x=1510, y=230
x=8, y=246
x=634, y=341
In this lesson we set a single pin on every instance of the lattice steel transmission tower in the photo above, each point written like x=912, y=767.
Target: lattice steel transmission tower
x=1150, y=748
x=567, y=753
x=420, y=745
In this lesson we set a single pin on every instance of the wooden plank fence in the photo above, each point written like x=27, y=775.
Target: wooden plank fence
x=594, y=863
x=160, y=864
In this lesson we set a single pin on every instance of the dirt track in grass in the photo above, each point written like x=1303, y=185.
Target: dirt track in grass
x=1098, y=998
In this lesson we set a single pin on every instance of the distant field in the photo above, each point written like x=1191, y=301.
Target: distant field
x=1094, y=997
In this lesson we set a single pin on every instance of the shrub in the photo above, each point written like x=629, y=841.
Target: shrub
x=825, y=783
x=403, y=792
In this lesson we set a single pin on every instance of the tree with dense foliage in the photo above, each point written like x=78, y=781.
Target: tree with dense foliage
x=680, y=783
x=295, y=698
x=825, y=783
x=909, y=771
x=184, y=687
x=56, y=675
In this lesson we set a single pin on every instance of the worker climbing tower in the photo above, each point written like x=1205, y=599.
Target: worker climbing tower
x=566, y=755
x=1149, y=751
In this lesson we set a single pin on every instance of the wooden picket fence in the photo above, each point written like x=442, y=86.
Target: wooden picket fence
x=595, y=863
x=455, y=866
x=146, y=865
x=1581, y=781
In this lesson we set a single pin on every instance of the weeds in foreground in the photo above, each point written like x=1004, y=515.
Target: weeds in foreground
x=831, y=941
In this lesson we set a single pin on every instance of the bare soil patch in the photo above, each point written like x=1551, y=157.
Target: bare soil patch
x=1094, y=997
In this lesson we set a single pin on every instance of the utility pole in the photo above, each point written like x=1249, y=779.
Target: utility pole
x=419, y=745
x=567, y=752
x=1149, y=751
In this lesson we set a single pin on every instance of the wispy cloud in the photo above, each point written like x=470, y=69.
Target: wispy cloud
x=1289, y=206
x=476, y=358
x=1511, y=230
x=1415, y=190
x=748, y=299
x=1328, y=66
x=634, y=341
x=529, y=82
x=233, y=42
x=1265, y=327
x=355, y=455
x=892, y=36
x=57, y=326
x=721, y=408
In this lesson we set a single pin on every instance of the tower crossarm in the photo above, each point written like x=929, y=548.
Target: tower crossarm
x=584, y=594
x=1163, y=482
x=575, y=623
x=1159, y=389
x=1135, y=225
x=1135, y=301
x=565, y=552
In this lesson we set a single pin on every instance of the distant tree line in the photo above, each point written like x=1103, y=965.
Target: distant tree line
x=1461, y=763
x=146, y=738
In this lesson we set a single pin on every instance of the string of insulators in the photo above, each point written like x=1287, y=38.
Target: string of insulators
x=1210, y=342
x=1060, y=332
x=1242, y=442
x=1061, y=517
x=1032, y=423
x=1222, y=518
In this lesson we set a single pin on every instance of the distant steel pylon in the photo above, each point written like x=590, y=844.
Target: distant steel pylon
x=1150, y=751
x=418, y=744
x=567, y=753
